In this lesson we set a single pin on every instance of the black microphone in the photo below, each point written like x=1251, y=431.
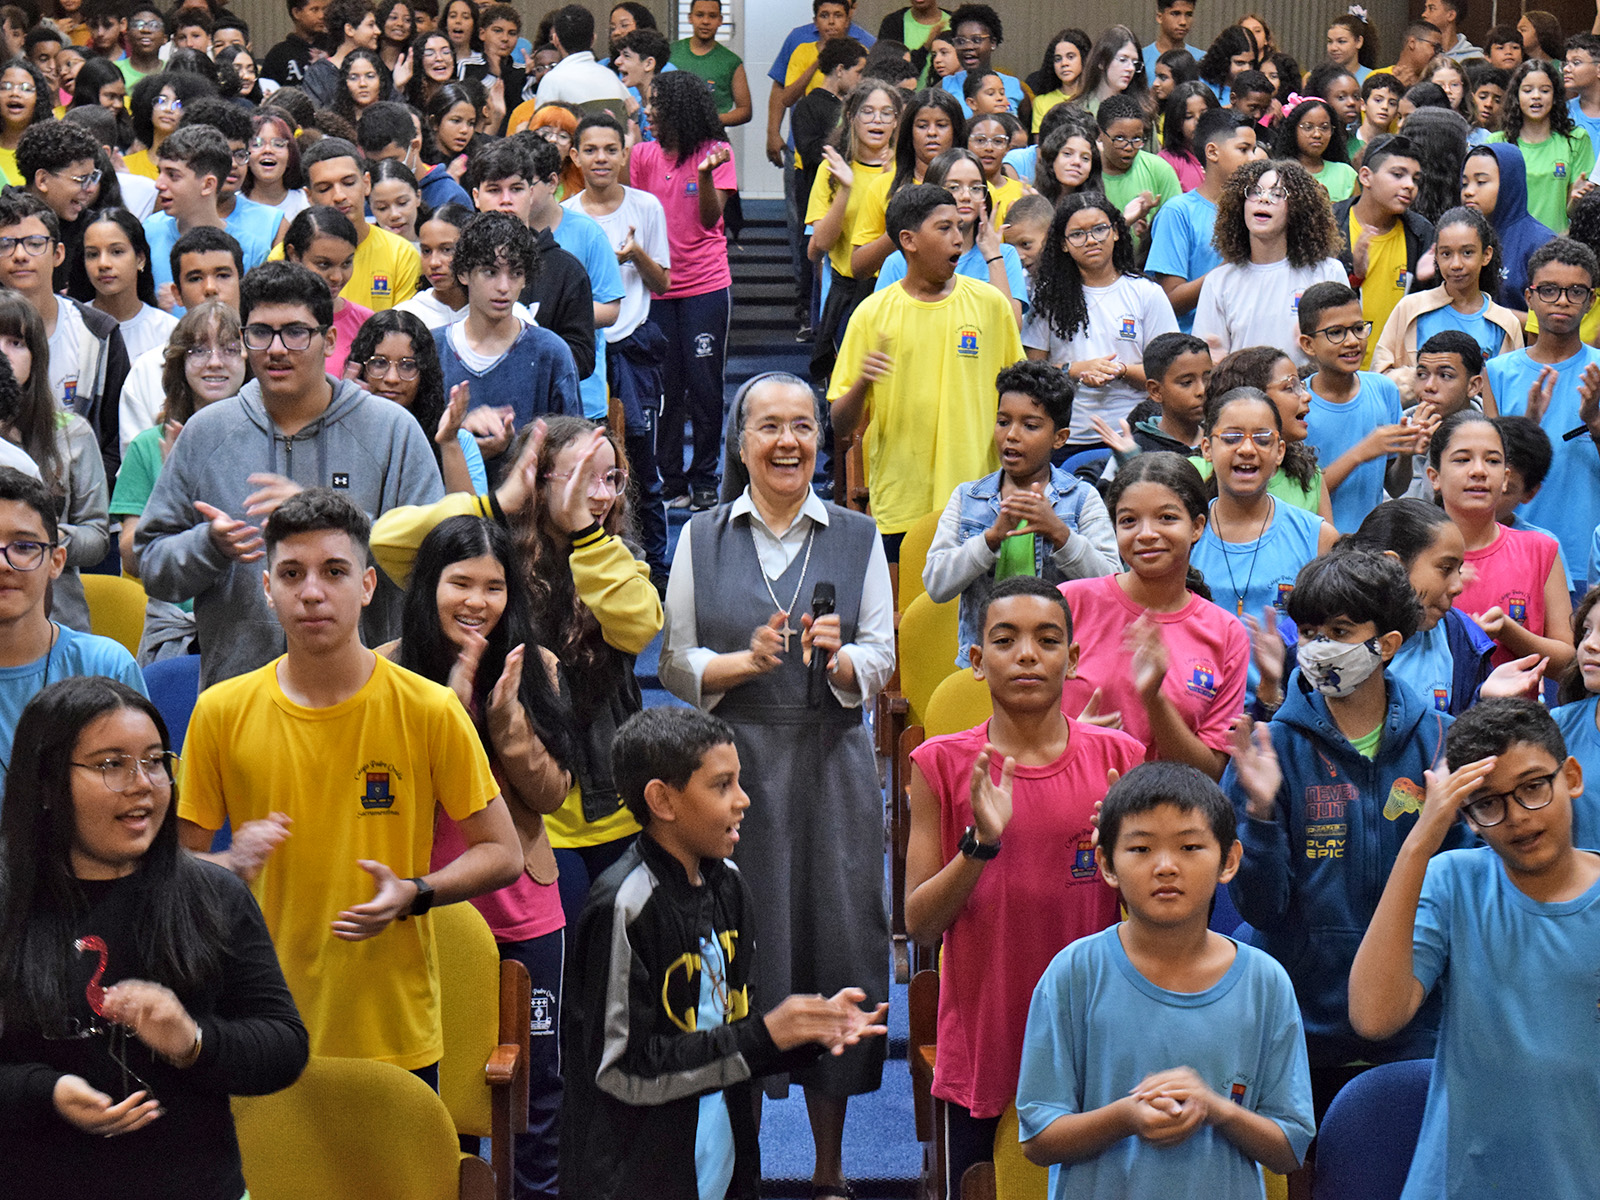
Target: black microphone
x=822, y=605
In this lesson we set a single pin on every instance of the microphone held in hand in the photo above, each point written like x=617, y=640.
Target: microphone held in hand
x=822, y=605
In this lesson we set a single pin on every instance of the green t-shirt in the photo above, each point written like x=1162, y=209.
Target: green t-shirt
x=1338, y=180
x=915, y=35
x=1147, y=173
x=1280, y=485
x=716, y=68
x=1367, y=744
x=136, y=479
x=1554, y=166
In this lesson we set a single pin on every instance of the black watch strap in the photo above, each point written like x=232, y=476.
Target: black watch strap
x=424, y=899
x=971, y=847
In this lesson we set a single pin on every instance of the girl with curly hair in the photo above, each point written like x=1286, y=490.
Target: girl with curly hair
x=1353, y=45
x=1310, y=133
x=1555, y=151
x=1094, y=313
x=1069, y=160
x=1298, y=479
x=157, y=107
x=591, y=603
x=1059, y=78
x=434, y=65
x=399, y=26
x=363, y=81
x=1466, y=254
x=1276, y=235
x=1116, y=67
x=1184, y=108
x=1235, y=49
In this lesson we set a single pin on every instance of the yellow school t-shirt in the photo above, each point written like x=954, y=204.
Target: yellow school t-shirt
x=869, y=225
x=1003, y=193
x=861, y=195
x=569, y=831
x=1386, y=281
x=140, y=163
x=361, y=780
x=930, y=420
x=800, y=61
x=387, y=270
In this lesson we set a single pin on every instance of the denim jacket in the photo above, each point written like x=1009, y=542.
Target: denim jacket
x=960, y=562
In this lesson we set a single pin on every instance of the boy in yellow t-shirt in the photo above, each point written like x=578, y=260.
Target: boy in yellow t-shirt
x=330, y=763
x=387, y=267
x=1384, y=239
x=917, y=368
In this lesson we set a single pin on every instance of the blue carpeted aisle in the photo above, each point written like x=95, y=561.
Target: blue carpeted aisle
x=881, y=1154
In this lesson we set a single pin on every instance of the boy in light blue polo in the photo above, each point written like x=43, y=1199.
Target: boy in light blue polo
x=1514, y=929
x=1148, y=1071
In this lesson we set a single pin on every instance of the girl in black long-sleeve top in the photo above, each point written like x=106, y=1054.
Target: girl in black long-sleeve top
x=138, y=986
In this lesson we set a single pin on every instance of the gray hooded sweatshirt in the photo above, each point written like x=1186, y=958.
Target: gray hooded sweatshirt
x=370, y=449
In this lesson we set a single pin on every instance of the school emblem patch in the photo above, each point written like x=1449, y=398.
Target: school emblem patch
x=1561, y=170
x=1517, y=606
x=1129, y=329
x=378, y=781
x=967, y=342
x=1441, y=699
x=1083, y=861
x=380, y=285
x=1404, y=797
x=1201, y=680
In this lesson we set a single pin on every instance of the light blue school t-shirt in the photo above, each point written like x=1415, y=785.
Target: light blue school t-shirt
x=1583, y=121
x=1180, y=243
x=713, y=1131
x=1023, y=161
x=972, y=265
x=1577, y=722
x=1424, y=663
x=580, y=235
x=1490, y=337
x=1569, y=503
x=73, y=654
x=1510, y=1107
x=1150, y=54
x=1013, y=86
x=1334, y=428
x=1246, y=577
x=1097, y=1027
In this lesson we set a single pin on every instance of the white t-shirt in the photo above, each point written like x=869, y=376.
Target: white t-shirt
x=1258, y=304
x=435, y=314
x=1123, y=319
x=142, y=396
x=149, y=330
x=138, y=194
x=578, y=80
x=294, y=203
x=643, y=213
x=67, y=346
x=17, y=459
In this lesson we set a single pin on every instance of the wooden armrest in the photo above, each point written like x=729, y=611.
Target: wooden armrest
x=501, y=1068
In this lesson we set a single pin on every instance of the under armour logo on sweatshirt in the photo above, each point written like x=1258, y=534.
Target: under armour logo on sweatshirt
x=341, y=479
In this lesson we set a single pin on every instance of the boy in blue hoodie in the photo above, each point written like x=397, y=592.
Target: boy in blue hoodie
x=1327, y=793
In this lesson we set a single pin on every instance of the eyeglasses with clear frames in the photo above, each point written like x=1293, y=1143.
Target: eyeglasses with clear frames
x=978, y=140
x=964, y=189
x=146, y=26
x=377, y=367
x=612, y=482
x=118, y=771
x=1488, y=811
x=802, y=429
x=277, y=143
x=1271, y=195
x=82, y=182
x=1263, y=438
x=26, y=555
x=20, y=86
x=1337, y=335
x=171, y=103
x=1095, y=233
x=883, y=115
x=968, y=43
x=229, y=352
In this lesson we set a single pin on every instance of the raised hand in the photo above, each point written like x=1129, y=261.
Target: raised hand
x=392, y=898
x=464, y=671
x=1267, y=651
x=1255, y=761
x=569, y=507
x=1119, y=439
x=1589, y=399
x=1540, y=391
x=719, y=154
x=1493, y=621
x=239, y=540
x=493, y=429
x=402, y=71
x=1447, y=792
x=1149, y=654
x=991, y=802
x=521, y=483
x=253, y=843
x=169, y=437
x=833, y=162
x=1091, y=714
x=454, y=413
x=1520, y=677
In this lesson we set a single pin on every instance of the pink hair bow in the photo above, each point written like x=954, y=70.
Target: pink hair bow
x=1295, y=98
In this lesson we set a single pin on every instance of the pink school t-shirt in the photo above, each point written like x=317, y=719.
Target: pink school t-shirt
x=1208, y=659
x=1043, y=892
x=1510, y=572
x=519, y=911
x=347, y=322
x=699, y=255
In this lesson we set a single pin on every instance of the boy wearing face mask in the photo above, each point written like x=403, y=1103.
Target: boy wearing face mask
x=1326, y=794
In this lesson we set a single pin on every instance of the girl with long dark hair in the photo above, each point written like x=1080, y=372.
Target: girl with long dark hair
x=1184, y=108
x=363, y=81
x=140, y=986
x=444, y=300
x=1060, y=77
x=1093, y=313
x=1353, y=45
x=117, y=259
x=394, y=358
x=1144, y=630
x=467, y=624
x=1069, y=159
x=323, y=239
x=1556, y=152
x=1234, y=50
x=1298, y=479
x=1115, y=67
x=435, y=60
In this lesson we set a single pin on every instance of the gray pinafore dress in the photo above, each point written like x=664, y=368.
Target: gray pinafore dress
x=811, y=847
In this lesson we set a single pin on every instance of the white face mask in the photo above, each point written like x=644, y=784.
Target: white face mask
x=1338, y=668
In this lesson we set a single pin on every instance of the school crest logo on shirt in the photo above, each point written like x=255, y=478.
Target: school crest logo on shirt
x=1202, y=679
x=380, y=285
x=1294, y=305
x=69, y=390
x=1404, y=797
x=1441, y=699
x=1083, y=867
x=1517, y=606
x=378, y=781
x=1129, y=329
x=1237, y=1091
x=967, y=342
x=1285, y=590
x=1561, y=170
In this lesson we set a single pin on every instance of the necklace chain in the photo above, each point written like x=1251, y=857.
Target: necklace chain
x=801, y=583
x=1227, y=557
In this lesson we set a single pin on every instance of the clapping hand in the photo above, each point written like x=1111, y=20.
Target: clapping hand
x=1119, y=439
x=1149, y=654
x=1255, y=762
x=238, y=540
x=154, y=1015
x=991, y=802
x=719, y=154
x=271, y=491
x=392, y=899
x=454, y=413
x=492, y=428
x=253, y=843
x=1091, y=714
x=1029, y=506
x=522, y=481
x=877, y=363
x=1171, y=1105
x=768, y=642
x=86, y=1108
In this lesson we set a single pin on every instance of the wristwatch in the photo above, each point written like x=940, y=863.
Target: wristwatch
x=424, y=900
x=971, y=847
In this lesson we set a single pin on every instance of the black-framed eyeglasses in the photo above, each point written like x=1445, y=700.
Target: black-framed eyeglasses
x=1127, y=143
x=35, y=244
x=377, y=367
x=1263, y=438
x=118, y=771
x=1095, y=233
x=26, y=555
x=1489, y=810
x=293, y=337
x=1337, y=335
x=1550, y=293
